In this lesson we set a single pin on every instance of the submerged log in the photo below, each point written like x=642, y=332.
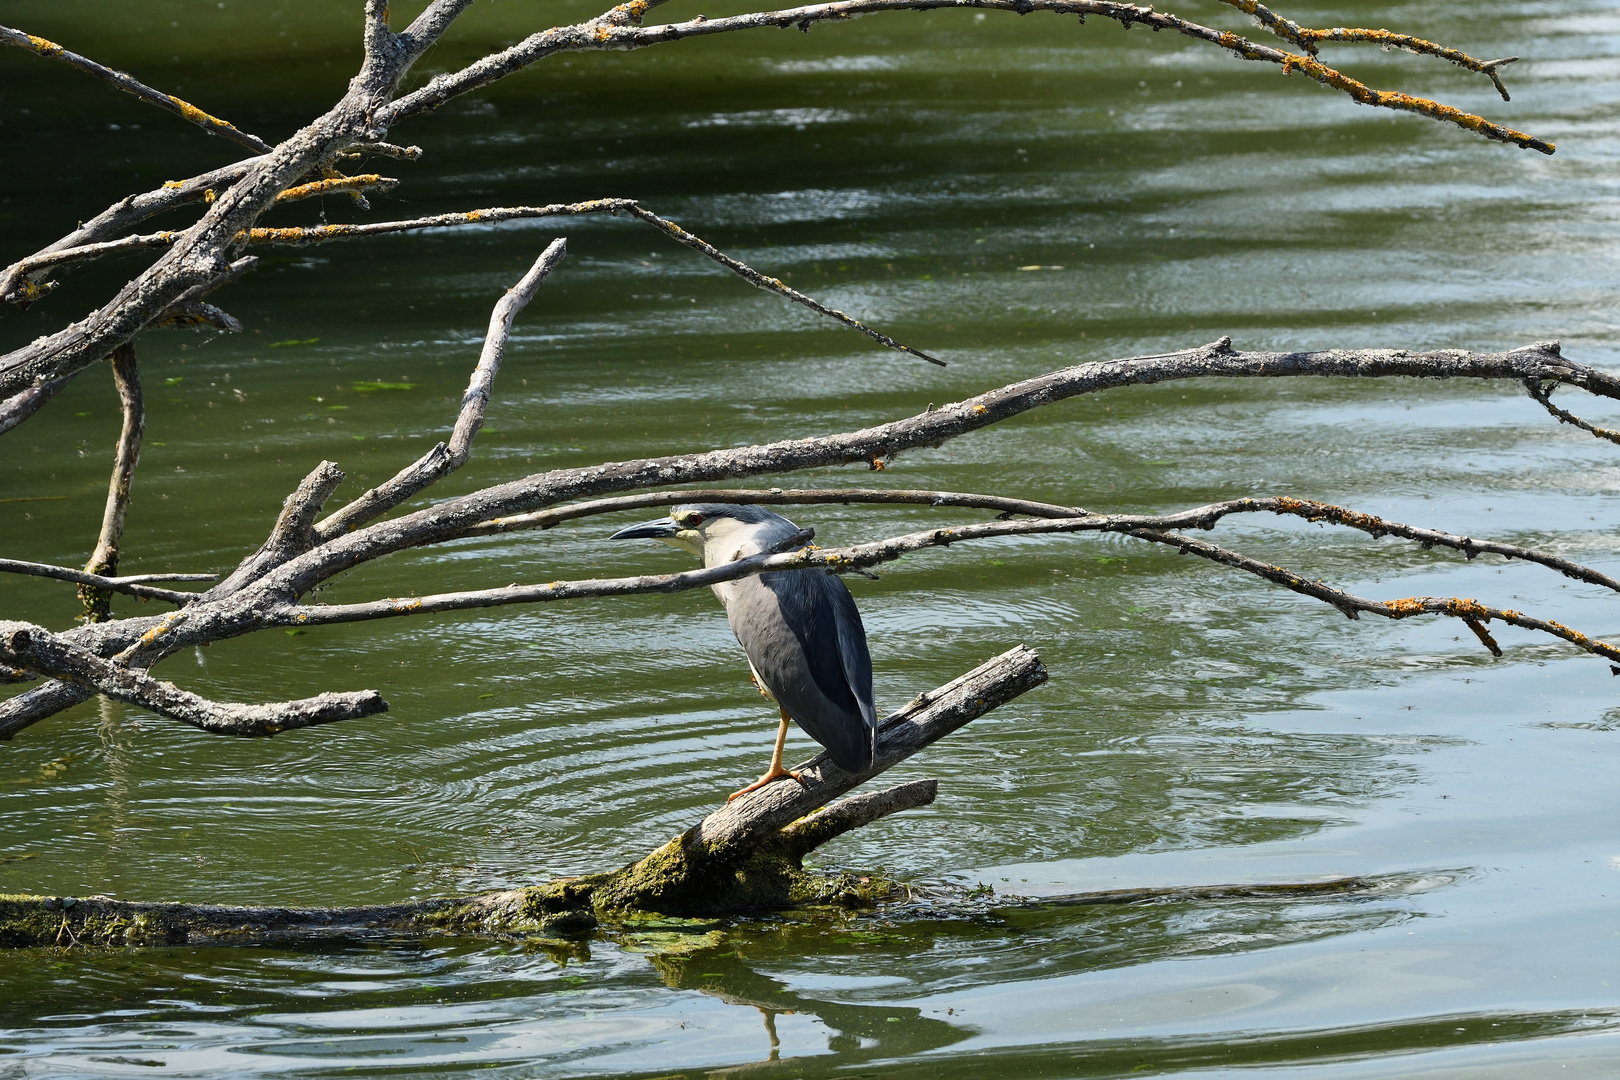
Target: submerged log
x=746, y=856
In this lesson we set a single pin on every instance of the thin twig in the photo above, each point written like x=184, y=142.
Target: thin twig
x=769, y=284
x=1408, y=43
x=320, y=234
x=130, y=85
x=1310, y=40
x=1468, y=610
x=1544, y=398
x=130, y=584
x=103, y=560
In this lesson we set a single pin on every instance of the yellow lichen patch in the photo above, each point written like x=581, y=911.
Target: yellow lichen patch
x=1574, y=636
x=1467, y=609
x=1400, y=609
x=603, y=33
x=209, y=196
x=158, y=630
x=197, y=116
x=44, y=46
x=475, y=215
x=1391, y=99
x=290, y=236
x=979, y=410
x=174, y=185
x=325, y=187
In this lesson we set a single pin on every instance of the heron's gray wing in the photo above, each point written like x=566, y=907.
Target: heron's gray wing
x=856, y=659
x=788, y=623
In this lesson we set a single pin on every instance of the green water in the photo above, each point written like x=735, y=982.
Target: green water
x=1199, y=727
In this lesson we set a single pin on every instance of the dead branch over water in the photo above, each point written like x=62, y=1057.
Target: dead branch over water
x=745, y=855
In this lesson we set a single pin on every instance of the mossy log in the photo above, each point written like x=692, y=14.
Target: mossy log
x=746, y=856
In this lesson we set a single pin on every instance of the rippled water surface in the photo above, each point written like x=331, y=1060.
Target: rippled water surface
x=1200, y=727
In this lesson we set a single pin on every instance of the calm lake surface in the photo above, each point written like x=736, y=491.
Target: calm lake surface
x=1200, y=726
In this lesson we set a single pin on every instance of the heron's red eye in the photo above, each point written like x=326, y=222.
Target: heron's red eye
x=693, y=520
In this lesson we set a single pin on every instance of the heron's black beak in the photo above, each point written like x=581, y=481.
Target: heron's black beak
x=662, y=529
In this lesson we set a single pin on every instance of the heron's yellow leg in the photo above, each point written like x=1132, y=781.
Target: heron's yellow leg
x=776, y=771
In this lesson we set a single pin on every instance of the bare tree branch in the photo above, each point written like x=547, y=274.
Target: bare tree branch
x=243, y=609
x=37, y=649
x=443, y=460
x=372, y=104
x=681, y=874
x=860, y=556
x=746, y=875
x=600, y=34
x=129, y=211
x=103, y=560
x=130, y=85
x=1202, y=517
x=813, y=830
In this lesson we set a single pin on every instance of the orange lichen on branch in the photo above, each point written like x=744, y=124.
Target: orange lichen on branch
x=44, y=46
x=1287, y=29
x=1574, y=636
x=1394, y=99
x=313, y=235
x=1319, y=511
x=1467, y=609
x=1389, y=40
x=1411, y=605
x=337, y=185
x=1484, y=636
x=1310, y=40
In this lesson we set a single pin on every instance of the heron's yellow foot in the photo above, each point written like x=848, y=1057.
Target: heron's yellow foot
x=771, y=776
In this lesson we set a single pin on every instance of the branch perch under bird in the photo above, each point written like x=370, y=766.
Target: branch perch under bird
x=746, y=856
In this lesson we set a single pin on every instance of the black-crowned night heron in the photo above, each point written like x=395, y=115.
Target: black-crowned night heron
x=804, y=639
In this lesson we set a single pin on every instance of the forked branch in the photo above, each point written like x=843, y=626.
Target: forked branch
x=602, y=34
x=36, y=649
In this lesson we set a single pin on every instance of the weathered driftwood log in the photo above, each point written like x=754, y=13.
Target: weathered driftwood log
x=748, y=855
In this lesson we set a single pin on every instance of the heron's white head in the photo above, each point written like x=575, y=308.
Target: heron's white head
x=716, y=532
